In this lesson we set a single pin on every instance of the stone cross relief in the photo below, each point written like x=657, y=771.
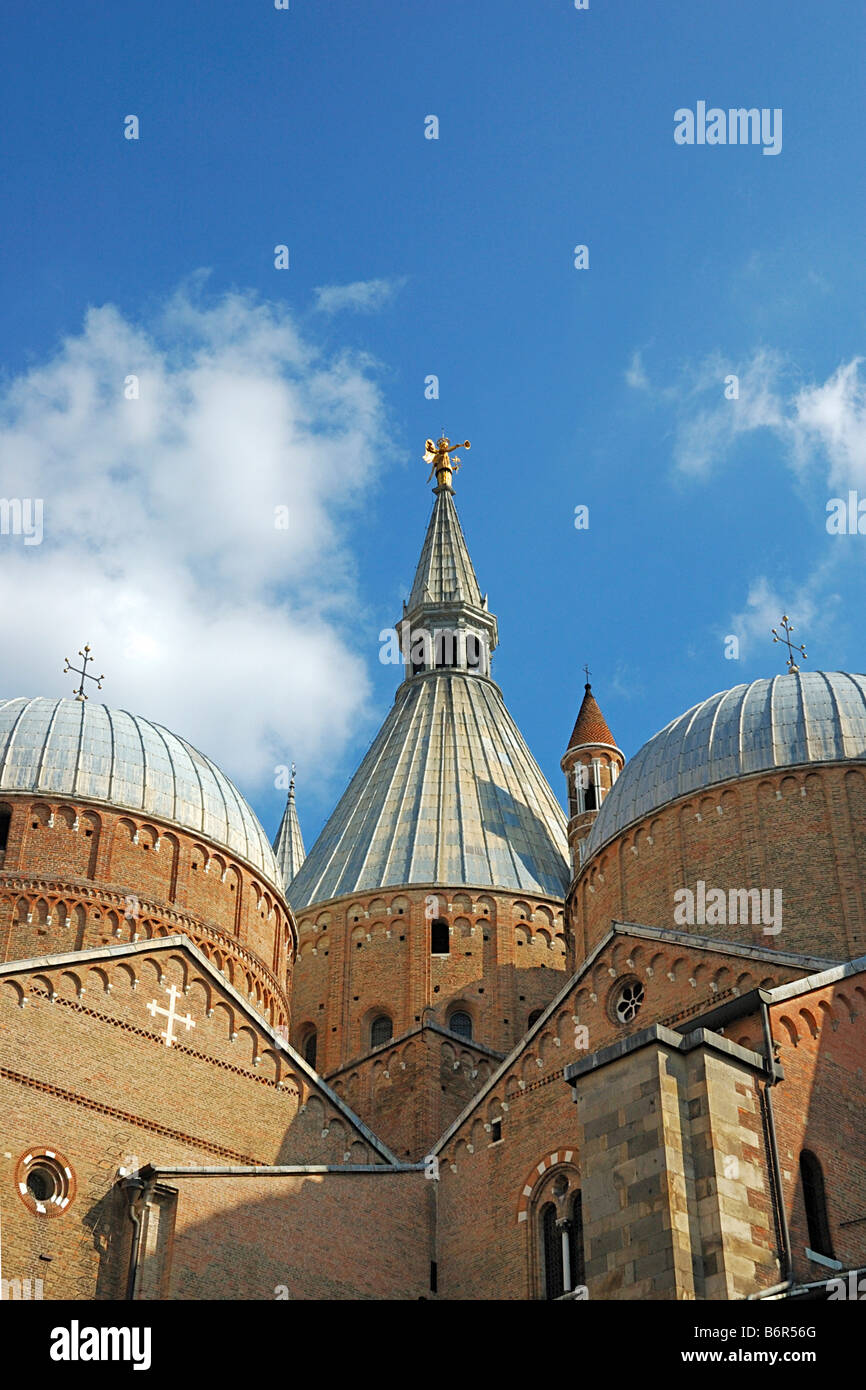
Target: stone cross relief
x=171, y=1015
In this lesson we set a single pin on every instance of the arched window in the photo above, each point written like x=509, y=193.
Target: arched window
x=461, y=1024
x=473, y=652
x=310, y=1044
x=382, y=1030
x=563, y=1267
x=5, y=818
x=534, y=1017
x=440, y=940
x=815, y=1201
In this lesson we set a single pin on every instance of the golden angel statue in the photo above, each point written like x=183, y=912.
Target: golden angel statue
x=442, y=459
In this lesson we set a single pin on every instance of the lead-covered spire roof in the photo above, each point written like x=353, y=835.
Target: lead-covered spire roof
x=445, y=573
x=289, y=844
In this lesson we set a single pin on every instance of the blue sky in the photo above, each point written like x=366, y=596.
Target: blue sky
x=602, y=387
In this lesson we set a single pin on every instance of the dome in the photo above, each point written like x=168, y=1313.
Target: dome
x=786, y=721
x=76, y=749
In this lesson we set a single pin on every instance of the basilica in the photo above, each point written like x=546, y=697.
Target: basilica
x=469, y=1047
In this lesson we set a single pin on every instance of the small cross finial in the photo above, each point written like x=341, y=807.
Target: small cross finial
x=292, y=781
x=785, y=637
x=83, y=672
x=588, y=674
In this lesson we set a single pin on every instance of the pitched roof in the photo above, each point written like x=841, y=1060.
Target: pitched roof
x=828, y=971
x=171, y=944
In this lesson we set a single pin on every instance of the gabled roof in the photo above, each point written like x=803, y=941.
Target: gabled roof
x=790, y=959
x=82, y=959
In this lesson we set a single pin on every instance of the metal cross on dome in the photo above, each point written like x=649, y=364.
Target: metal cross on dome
x=588, y=673
x=787, y=629
x=80, y=693
x=171, y=1015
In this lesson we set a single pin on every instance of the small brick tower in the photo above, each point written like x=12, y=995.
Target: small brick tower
x=591, y=763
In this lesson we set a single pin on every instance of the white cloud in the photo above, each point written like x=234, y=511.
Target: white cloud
x=813, y=605
x=160, y=547
x=710, y=423
x=635, y=374
x=821, y=427
x=830, y=420
x=363, y=296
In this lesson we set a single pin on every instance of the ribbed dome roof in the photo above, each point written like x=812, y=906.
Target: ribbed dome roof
x=808, y=717
x=77, y=749
x=448, y=793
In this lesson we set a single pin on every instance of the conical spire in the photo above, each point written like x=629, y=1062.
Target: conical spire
x=591, y=763
x=448, y=791
x=289, y=844
x=591, y=725
x=445, y=574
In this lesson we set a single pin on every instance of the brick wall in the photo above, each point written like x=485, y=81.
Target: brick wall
x=802, y=831
x=87, y=1073
x=372, y=954
x=821, y=1106
x=75, y=876
x=411, y=1091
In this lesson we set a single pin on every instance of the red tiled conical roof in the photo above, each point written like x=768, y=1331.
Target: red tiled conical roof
x=591, y=725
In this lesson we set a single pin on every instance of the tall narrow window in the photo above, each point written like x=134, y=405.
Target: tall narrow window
x=815, y=1200
x=381, y=1031
x=310, y=1043
x=551, y=1244
x=592, y=795
x=473, y=651
x=421, y=651
x=5, y=819
x=440, y=940
x=597, y=779
x=578, y=1259
x=461, y=1024
x=445, y=643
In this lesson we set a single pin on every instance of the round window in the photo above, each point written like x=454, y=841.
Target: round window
x=626, y=1000
x=45, y=1182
